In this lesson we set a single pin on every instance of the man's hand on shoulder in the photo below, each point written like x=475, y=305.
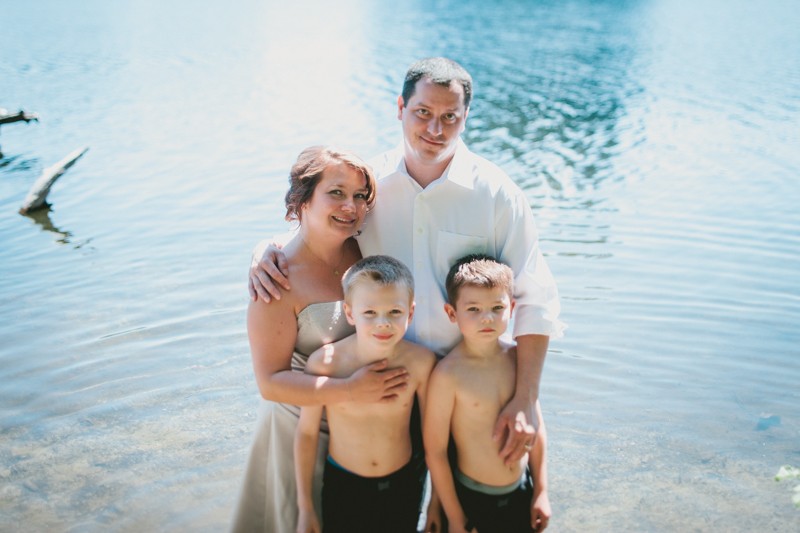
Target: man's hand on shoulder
x=268, y=272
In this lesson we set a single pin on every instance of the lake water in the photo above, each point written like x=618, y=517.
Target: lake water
x=657, y=142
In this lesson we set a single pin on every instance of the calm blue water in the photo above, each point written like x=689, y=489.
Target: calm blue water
x=657, y=141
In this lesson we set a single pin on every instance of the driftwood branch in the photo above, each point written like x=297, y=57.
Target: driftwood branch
x=7, y=118
x=38, y=194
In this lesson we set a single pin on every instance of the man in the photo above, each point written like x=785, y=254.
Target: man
x=437, y=201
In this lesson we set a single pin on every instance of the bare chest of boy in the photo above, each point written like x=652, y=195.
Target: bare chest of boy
x=372, y=439
x=480, y=397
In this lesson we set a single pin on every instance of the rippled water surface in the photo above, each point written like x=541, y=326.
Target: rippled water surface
x=657, y=142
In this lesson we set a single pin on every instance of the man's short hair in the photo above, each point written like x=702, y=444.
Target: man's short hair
x=381, y=269
x=441, y=71
x=478, y=270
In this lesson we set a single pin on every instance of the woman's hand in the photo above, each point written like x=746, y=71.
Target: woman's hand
x=374, y=383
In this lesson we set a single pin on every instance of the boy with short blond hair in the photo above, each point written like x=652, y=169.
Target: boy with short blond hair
x=370, y=482
x=467, y=390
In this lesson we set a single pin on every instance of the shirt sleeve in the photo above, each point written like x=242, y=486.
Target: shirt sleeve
x=535, y=291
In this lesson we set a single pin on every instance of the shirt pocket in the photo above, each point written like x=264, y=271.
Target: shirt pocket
x=451, y=247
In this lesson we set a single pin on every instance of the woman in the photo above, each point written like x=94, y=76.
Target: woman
x=330, y=192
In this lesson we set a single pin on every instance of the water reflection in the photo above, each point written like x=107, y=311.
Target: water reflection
x=42, y=219
x=551, y=108
x=16, y=163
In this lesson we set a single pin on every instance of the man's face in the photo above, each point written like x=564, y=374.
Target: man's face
x=432, y=122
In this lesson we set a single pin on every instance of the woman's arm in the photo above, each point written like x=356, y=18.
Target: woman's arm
x=272, y=329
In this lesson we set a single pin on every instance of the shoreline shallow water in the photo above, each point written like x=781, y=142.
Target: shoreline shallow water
x=656, y=143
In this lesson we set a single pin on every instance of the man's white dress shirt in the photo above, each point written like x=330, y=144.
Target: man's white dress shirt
x=474, y=207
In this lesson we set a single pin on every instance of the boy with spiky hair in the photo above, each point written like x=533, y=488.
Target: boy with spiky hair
x=467, y=390
x=370, y=482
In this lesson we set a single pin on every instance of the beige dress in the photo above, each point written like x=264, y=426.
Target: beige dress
x=268, y=498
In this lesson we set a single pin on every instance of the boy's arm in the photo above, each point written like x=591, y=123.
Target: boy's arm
x=537, y=461
x=438, y=413
x=426, y=363
x=305, y=453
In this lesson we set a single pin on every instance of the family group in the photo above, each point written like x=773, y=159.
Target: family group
x=398, y=337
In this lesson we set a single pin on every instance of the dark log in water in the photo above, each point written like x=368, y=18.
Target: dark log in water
x=20, y=116
x=8, y=118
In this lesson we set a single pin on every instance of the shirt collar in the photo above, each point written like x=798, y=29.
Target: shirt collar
x=457, y=172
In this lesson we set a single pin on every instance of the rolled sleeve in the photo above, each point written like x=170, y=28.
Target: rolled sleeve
x=538, y=305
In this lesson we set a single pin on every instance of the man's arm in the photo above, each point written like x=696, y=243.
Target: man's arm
x=272, y=331
x=269, y=269
x=517, y=423
x=305, y=454
x=535, y=317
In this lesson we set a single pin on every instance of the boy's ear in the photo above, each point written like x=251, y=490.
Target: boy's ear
x=348, y=314
x=411, y=311
x=513, y=305
x=451, y=312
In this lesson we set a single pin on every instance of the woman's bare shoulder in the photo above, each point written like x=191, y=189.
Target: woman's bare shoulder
x=333, y=359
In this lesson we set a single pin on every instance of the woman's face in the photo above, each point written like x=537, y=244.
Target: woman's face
x=339, y=202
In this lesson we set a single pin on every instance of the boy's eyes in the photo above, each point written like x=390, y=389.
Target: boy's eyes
x=371, y=313
x=474, y=309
